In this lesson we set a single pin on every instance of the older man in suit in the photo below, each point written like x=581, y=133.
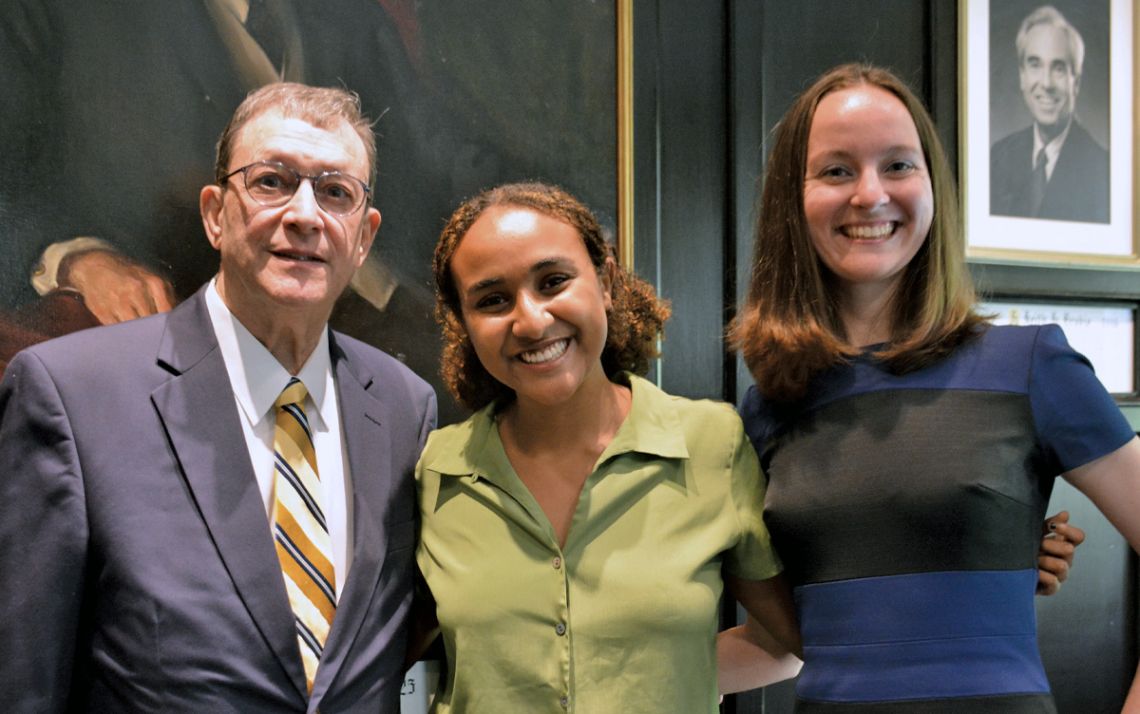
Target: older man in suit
x=1054, y=168
x=211, y=509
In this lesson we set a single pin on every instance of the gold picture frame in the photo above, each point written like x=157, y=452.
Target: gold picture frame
x=991, y=107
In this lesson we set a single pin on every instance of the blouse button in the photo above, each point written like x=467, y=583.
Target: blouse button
x=564, y=701
x=557, y=562
x=560, y=629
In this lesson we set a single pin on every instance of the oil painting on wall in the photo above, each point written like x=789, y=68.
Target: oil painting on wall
x=111, y=111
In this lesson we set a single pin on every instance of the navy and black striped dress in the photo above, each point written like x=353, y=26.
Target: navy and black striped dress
x=907, y=511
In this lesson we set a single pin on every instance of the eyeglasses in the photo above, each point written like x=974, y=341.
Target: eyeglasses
x=272, y=183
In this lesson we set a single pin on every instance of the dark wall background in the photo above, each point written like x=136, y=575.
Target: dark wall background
x=711, y=81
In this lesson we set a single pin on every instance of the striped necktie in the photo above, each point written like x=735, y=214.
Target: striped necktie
x=299, y=529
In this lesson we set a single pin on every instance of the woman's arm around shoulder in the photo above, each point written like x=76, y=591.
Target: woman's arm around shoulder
x=766, y=648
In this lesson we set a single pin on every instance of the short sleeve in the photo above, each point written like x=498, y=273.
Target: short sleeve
x=752, y=557
x=1076, y=419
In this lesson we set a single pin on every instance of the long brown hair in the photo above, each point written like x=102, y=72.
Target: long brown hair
x=788, y=329
x=633, y=323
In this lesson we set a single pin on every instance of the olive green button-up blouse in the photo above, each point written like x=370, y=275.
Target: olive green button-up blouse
x=624, y=617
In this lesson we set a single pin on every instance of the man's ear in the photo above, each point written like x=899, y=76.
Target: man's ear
x=368, y=228
x=210, y=206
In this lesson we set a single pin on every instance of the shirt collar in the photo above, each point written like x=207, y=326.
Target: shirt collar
x=1052, y=149
x=256, y=376
x=652, y=427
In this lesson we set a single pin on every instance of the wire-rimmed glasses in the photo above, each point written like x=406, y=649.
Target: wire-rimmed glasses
x=272, y=183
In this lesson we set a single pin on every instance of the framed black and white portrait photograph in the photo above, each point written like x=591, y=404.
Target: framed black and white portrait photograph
x=1047, y=131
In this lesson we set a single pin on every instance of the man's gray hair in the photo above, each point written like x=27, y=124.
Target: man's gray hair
x=1051, y=16
x=323, y=107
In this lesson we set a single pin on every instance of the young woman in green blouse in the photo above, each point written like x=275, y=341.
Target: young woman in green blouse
x=578, y=530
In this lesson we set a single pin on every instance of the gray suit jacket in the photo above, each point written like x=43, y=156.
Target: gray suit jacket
x=139, y=573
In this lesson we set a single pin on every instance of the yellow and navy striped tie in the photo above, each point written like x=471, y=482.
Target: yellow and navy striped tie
x=299, y=528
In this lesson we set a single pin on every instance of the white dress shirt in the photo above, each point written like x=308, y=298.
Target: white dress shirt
x=257, y=379
x=1052, y=149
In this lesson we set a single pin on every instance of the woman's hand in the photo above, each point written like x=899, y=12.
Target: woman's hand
x=1055, y=557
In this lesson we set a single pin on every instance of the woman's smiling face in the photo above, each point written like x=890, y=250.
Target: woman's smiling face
x=868, y=198
x=533, y=304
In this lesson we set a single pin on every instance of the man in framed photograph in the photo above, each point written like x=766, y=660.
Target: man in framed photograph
x=1052, y=169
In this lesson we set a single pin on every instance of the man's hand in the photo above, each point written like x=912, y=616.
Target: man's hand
x=114, y=287
x=1055, y=557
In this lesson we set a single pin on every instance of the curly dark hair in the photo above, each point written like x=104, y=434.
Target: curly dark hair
x=634, y=322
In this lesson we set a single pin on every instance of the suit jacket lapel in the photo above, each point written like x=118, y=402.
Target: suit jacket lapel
x=367, y=442
x=197, y=410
